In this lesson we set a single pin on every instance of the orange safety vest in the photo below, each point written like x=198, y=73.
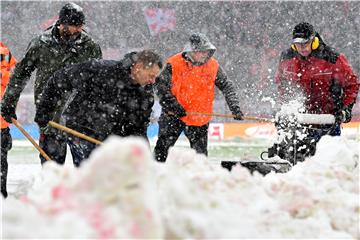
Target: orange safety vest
x=194, y=87
x=7, y=63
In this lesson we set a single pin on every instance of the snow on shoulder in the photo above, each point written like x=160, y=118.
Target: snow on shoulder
x=121, y=192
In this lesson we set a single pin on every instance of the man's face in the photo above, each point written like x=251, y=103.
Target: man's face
x=199, y=56
x=145, y=75
x=70, y=32
x=304, y=49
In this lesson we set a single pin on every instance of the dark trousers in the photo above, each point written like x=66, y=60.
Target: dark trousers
x=81, y=149
x=54, y=144
x=6, y=144
x=332, y=130
x=170, y=129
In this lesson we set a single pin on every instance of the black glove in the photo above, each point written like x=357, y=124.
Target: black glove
x=343, y=116
x=239, y=115
x=42, y=122
x=176, y=112
x=180, y=112
x=8, y=112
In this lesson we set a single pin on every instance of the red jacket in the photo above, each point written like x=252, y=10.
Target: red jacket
x=325, y=79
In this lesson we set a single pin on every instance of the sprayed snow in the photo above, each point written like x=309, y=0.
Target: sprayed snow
x=294, y=111
x=270, y=100
x=122, y=193
x=292, y=107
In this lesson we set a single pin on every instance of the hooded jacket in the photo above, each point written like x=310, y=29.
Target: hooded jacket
x=103, y=99
x=191, y=87
x=48, y=53
x=325, y=79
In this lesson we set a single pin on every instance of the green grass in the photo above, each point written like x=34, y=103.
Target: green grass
x=235, y=152
x=23, y=152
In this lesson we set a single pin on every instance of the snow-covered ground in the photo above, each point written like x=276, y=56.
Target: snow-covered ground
x=122, y=193
x=24, y=162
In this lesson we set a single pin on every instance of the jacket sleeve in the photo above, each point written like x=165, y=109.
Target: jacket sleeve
x=56, y=87
x=348, y=80
x=229, y=91
x=97, y=53
x=168, y=101
x=21, y=76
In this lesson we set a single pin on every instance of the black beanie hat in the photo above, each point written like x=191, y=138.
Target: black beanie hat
x=71, y=14
x=303, y=32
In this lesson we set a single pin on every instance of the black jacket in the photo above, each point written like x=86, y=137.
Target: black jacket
x=103, y=99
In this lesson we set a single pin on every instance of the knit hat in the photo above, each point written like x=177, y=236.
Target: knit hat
x=71, y=14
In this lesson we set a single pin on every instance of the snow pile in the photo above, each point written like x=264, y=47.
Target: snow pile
x=110, y=196
x=122, y=193
x=317, y=199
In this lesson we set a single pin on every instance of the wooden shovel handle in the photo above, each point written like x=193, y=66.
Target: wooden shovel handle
x=230, y=116
x=73, y=132
x=17, y=124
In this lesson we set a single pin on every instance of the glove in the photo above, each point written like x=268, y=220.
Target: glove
x=239, y=115
x=8, y=112
x=343, y=116
x=44, y=129
x=42, y=123
x=178, y=112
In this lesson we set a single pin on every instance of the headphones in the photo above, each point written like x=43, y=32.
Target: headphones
x=314, y=45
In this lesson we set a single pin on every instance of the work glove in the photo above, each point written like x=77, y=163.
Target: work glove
x=8, y=112
x=180, y=113
x=343, y=116
x=42, y=123
x=238, y=115
x=44, y=128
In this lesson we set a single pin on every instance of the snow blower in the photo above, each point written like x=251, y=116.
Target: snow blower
x=297, y=137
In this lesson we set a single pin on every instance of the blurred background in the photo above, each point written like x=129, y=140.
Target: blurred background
x=249, y=36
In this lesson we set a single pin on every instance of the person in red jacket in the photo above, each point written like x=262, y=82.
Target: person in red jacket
x=7, y=64
x=324, y=77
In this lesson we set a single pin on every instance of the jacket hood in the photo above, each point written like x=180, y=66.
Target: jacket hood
x=199, y=42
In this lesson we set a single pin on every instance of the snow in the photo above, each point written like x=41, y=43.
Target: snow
x=120, y=192
x=293, y=111
x=76, y=7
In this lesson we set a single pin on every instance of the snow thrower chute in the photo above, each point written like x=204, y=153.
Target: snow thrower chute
x=297, y=135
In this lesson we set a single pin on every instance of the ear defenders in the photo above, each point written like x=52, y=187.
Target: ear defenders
x=314, y=45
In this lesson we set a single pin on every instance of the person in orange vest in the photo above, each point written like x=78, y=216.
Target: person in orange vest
x=7, y=64
x=187, y=85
